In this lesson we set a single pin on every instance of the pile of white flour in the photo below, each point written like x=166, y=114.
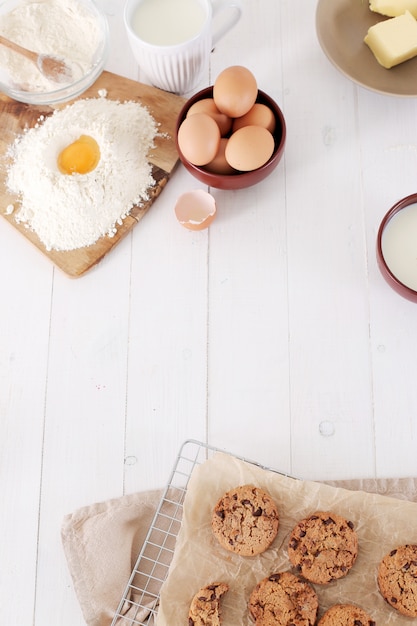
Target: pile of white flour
x=72, y=211
x=62, y=28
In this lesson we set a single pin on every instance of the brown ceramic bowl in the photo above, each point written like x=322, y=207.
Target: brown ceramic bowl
x=240, y=179
x=386, y=271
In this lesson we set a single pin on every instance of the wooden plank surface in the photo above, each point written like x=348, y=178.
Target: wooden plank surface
x=163, y=106
x=272, y=334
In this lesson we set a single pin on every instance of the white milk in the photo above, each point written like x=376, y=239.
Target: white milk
x=168, y=22
x=399, y=245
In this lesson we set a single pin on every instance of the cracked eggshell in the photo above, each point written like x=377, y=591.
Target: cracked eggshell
x=195, y=209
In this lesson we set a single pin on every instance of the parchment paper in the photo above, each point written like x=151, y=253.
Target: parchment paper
x=381, y=522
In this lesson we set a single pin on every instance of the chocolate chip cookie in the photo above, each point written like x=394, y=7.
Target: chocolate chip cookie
x=283, y=600
x=397, y=579
x=245, y=520
x=346, y=615
x=205, y=607
x=323, y=547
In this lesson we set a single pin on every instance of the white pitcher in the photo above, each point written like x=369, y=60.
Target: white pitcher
x=172, y=39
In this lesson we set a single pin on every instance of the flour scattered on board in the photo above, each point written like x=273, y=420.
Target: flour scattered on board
x=73, y=211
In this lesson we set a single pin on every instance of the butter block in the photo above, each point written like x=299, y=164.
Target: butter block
x=394, y=40
x=393, y=8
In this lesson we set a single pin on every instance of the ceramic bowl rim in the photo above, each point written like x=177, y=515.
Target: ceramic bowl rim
x=391, y=279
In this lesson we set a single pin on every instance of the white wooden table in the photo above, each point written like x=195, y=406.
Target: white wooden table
x=271, y=335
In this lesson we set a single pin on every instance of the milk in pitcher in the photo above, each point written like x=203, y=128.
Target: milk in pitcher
x=168, y=22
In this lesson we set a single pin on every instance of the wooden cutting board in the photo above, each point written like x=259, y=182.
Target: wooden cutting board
x=163, y=106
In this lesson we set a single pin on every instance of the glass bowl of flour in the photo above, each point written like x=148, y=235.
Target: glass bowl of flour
x=74, y=31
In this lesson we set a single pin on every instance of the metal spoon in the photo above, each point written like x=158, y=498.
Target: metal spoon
x=52, y=68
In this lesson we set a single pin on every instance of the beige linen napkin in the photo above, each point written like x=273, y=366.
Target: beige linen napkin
x=102, y=542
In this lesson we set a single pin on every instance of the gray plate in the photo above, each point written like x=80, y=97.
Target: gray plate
x=341, y=27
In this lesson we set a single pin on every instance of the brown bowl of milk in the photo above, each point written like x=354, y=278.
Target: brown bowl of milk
x=397, y=247
x=171, y=40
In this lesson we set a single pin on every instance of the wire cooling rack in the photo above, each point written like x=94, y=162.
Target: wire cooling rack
x=139, y=604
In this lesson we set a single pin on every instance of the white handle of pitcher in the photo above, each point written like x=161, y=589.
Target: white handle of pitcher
x=235, y=9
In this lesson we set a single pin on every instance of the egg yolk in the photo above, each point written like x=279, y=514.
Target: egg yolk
x=80, y=157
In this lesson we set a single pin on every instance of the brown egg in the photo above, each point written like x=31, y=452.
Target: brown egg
x=195, y=209
x=199, y=138
x=207, y=105
x=249, y=148
x=259, y=115
x=219, y=164
x=235, y=91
